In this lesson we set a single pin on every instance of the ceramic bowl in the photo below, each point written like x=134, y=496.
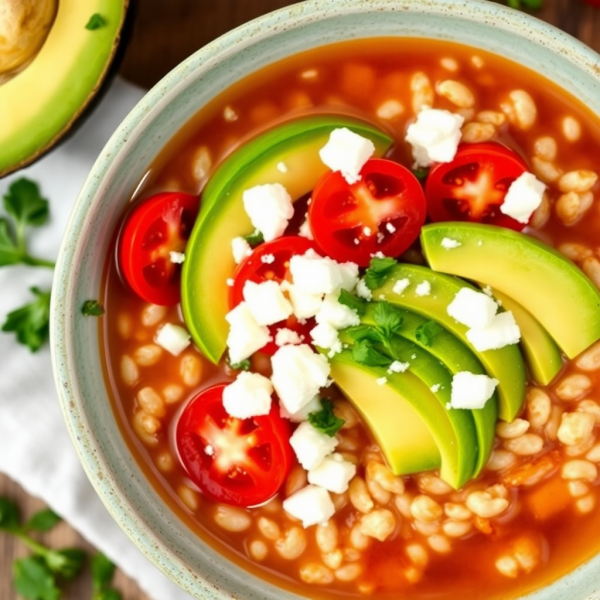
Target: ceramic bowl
x=133, y=503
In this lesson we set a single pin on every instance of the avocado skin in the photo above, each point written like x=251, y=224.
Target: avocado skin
x=96, y=95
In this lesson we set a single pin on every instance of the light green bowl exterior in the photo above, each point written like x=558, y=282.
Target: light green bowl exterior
x=133, y=503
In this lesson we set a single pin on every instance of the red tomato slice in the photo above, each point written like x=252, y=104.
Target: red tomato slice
x=154, y=228
x=252, y=268
x=383, y=212
x=240, y=462
x=473, y=186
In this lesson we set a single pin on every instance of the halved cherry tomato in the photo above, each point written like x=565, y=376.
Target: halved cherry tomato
x=473, y=186
x=240, y=462
x=154, y=228
x=253, y=268
x=383, y=212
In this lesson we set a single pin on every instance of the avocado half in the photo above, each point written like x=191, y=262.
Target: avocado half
x=43, y=97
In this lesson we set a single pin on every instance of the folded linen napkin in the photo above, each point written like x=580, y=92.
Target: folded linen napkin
x=35, y=448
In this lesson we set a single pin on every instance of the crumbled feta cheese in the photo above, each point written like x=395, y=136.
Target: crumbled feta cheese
x=177, y=258
x=246, y=336
x=435, y=387
x=230, y=115
x=362, y=291
x=471, y=308
x=390, y=227
x=270, y=208
x=523, y=197
x=230, y=281
x=398, y=367
x=334, y=473
x=324, y=335
x=390, y=109
x=298, y=374
x=304, y=305
x=367, y=231
x=305, y=230
x=311, y=445
x=471, y=391
x=347, y=152
x=502, y=331
x=240, y=249
x=314, y=274
x=335, y=314
x=400, y=285
x=173, y=338
x=282, y=167
x=349, y=274
x=209, y=450
x=381, y=380
x=266, y=302
x=312, y=505
x=380, y=237
x=267, y=259
x=449, y=243
x=302, y=415
x=487, y=290
x=248, y=396
x=423, y=289
x=378, y=254
x=434, y=136
x=285, y=336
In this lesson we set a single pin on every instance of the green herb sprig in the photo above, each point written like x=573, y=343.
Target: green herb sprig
x=325, y=420
x=427, y=332
x=530, y=4
x=255, y=238
x=97, y=21
x=378, y=271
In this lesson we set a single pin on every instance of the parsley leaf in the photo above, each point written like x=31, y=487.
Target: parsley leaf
x=531, y=4
x=358, y=333
x=92, y=308
x=365, y=354
x=103, y=571
x=255, y=238
x=325, y=420
x=353, y=302
x=388, y=318
x=96, y=22
x=67, y=563
x=427, y=332
x=30, y=323
x=421, y=173
x=378, y=271
x=9, y=515
x=44, y=520
x=243, y=365
x=34, y=580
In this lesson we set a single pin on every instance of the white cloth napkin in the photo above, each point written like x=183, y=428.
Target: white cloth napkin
x=35, y=448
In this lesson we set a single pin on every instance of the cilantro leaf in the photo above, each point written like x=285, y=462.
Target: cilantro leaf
x=108, y=594
x=358, y=333
x=33, y=579
x=103, y=570
x=30, y=322
x=92, y=308
x=96, y=22
x=421, y=173
x=9, y=252
x=427, y=332
x=9, y=515
x=243, y=365
x=67, y=562
x=378, y=271
x=44, y=520
x=255, y=238
x=351, y=301
x=325, y=420
x=365, y=354
x=388, y=318
x=25, y=204
x=531, y=4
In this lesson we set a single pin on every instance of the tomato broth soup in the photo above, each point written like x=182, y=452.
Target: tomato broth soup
x=452, y=447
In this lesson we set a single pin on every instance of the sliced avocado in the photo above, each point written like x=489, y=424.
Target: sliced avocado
x=506, y=364
x=209, y=262
x=40, y=104
x=540, y=279
x=542, y=355
x=456, y=357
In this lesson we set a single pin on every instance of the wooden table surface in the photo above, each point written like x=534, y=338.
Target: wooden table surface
x=165, y=33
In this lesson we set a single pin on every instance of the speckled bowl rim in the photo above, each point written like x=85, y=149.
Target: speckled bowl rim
x=66, y=302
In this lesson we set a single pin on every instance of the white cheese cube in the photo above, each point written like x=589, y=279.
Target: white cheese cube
x=434, y=136
x=305, y=230
x=335, y=314
x=240, y=249
x=285, y=336
x=311, y=505
x=349, y=274
x=177, y=258
x=302, y=415
x=523, y=197
x=298, y=374
x=471, y=391
x=400, y=285
x=347, y=152
x=246, y=336
x=502, y=331
x=248, y=396
x=326, y=336
x=334, y=474
x=173, y=338
x=423, y=288
x=311, y=445
x=266, y=302
x=471, y=308
x=314, y=274
x=449, y=243
x=304, y=305
x=362, y=291
x=270, y=208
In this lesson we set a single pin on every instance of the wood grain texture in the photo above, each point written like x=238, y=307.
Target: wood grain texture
x=165, y=33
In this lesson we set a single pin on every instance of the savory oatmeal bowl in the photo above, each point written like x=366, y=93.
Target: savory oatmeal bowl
x=349, y=344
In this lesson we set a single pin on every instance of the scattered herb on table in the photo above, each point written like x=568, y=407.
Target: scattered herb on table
x=96, y=22
x=92, y=308
x=30, y=323
x=378, y=271
x=325, y=420
x=103, y=571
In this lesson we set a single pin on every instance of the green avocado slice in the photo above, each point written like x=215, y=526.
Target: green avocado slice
x=209, y=261
x=540, y=279
x=456, y=357
x=542, y=355
x=506, y=364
